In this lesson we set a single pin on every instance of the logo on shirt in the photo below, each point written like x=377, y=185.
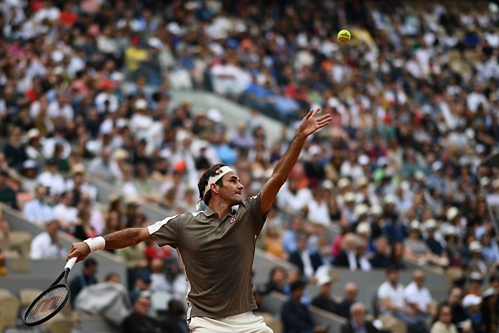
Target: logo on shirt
x=233, y=220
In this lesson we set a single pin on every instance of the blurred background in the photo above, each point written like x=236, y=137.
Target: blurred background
x=111, y=110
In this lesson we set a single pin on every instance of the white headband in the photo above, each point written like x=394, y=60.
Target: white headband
x=212, y=180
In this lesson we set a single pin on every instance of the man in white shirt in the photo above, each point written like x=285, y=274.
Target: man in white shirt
x=158, y=277
x=65, y=212
x=47, y=245
x=51, y=179
x=37, y=210
x=418, y=297
x=293, y=199
x=392, y=302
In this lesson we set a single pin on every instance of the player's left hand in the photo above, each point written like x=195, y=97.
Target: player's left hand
x=310, y=124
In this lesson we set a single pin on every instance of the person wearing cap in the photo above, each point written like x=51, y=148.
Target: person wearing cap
x=295, y=316
x=490, y=310
x=452, y=247
x=376, y=221
x=471, y=305
x=324, y=300
x=7, y=194
x=217, y=244
x=477, y=263
x=358, y=322
x=415, y=248
x=348, y=216
x=434, y=245
x=476, y=281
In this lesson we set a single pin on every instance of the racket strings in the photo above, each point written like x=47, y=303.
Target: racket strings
x=47, y=304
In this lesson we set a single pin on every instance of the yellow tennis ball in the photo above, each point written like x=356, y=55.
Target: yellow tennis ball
x=344, y=36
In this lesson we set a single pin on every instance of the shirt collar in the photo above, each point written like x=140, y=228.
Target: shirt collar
x=208, y=212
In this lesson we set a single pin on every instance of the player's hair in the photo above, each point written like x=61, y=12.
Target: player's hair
x=203, y=182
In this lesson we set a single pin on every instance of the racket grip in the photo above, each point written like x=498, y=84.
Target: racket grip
x=70, y=263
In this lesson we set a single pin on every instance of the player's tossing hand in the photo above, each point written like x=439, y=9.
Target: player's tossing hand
x=79, y=250
x=310, y=124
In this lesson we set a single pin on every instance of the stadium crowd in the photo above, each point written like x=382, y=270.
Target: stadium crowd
x=84, y=93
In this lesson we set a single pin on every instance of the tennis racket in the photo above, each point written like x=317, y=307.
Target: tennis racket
x=51, y=301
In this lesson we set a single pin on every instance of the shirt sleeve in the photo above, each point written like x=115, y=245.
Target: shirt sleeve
x=165, y=232
x=254, y=207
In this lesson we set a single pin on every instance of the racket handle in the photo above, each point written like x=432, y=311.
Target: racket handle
x=70, y=263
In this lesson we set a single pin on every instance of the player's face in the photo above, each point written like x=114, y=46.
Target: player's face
x=232, y=189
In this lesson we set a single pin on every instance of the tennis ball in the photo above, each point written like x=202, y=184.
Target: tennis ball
x=344, y=36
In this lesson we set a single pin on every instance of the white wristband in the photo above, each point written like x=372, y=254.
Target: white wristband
x=96, y=244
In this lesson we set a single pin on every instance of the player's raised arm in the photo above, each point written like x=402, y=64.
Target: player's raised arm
x=116, y=240
x=309, y=125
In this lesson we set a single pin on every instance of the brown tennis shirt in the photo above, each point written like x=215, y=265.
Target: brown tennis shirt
x=218, y=257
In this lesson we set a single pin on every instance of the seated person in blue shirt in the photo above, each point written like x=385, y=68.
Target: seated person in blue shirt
x=295, y=315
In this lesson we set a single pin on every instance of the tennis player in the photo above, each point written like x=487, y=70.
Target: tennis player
x=217, y=245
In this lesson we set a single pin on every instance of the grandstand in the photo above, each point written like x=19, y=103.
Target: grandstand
x=117, y=107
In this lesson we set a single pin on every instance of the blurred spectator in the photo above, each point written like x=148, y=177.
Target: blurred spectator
x=290, y=237
x=47, y=245
x=358, y=321
x=37, y=210
x=396, y=257
x=65, y=212
x=7, y=194
x=83, y=229
x=141, y=285
x=277, y=281
x=419, y=298
x=477, y=263
x=307, y=261
x=443, y=322
x=476, y=281
x=139, y=320
x=458, y=316
x=272, y=241
x=323, y=300
x=295, y=315
x=350, y=293
x=101, y=167
x=380, y=258
x=471, y=305
x=415, y=249
x=392, y=302
x=174, y=320
x=158, y=277
x=86, y=278
x=348, y=256
x=15, y=150
x=51, y=178
x=489, y=309
x=296, y=275
x=135, y=261
x=490, y=250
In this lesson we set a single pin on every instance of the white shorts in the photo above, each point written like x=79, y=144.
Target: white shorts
x=242, y=323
